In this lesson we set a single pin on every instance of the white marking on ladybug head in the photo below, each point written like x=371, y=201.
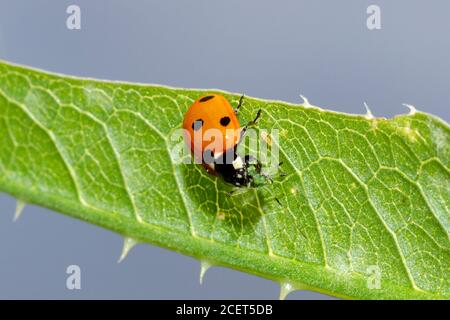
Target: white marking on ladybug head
x=237, y=163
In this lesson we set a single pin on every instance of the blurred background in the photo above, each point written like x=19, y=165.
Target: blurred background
x=275, y=50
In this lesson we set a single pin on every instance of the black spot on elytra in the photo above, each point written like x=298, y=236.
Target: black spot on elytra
x=204, y=99
x=225, y=121
x=197, y=124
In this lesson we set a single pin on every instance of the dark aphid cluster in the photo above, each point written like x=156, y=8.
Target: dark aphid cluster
x=240, y=172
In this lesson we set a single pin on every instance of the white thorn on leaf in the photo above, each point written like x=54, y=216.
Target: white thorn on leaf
x=204, y=266
x=412, y=109
x=305, y=103
x=20, y=205
x=285, y=289
x=368, y=114
x=128, y=244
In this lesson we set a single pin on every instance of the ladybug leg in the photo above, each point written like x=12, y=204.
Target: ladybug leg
x=258, y=114
x=251, y=123
x=241, y=102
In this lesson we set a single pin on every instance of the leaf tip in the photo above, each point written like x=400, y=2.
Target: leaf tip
x=20, y=205
x=128, y=244
x=204, y=266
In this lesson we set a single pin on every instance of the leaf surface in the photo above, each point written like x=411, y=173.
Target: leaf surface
x=364, y=199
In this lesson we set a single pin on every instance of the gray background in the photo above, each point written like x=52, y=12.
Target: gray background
x=268, y=49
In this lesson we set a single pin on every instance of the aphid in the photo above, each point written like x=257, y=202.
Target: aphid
x=214, y=112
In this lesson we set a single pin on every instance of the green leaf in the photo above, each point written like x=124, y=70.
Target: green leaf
x=363, y=197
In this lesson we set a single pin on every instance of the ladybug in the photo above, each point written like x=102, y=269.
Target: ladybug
x=213, y=133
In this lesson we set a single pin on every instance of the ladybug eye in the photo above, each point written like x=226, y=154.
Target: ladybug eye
x=225, y=121
x=197, y=124
x=204, y=99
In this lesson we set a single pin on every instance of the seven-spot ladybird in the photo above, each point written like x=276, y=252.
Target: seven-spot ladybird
x=213, y=132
